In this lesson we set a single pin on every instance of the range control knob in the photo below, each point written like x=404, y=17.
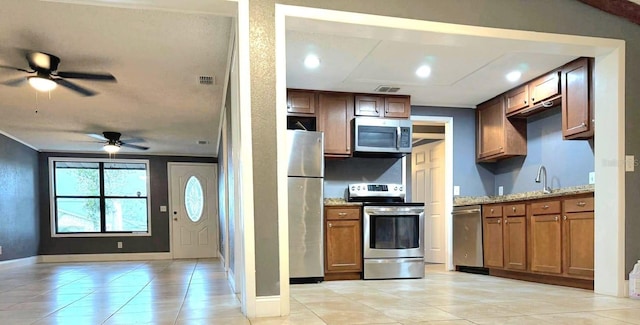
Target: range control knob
x=353, y=188
x=400, y=188
x=395, y=188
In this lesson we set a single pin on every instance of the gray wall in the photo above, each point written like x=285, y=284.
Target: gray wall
x=473, y=179
x=18, y=200
x=159, y=240
x=568, y=163
x=564, y=17
x=338, y=173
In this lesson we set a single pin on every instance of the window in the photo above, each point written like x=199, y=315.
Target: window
x=96, y=197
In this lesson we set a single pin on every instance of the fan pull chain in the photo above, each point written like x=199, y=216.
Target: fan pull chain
x=36, y=102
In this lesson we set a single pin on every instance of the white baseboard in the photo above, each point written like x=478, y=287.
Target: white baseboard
x=232, y=280
x=268, y=306
x=18, y=262
x=103, y=257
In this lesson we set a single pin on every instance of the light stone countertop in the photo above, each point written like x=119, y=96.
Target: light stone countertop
x=337, y=201
x=473, y=200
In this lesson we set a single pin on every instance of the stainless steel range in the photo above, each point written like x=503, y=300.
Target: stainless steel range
x=393, y=231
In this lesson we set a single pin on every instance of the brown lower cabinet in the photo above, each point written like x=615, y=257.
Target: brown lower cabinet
x=547, y=241
x=343, y=243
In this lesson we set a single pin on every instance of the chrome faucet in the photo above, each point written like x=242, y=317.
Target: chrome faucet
x=543, y=172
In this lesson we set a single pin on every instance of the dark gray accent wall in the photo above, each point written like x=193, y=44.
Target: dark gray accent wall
x=473, y=179
x=338, y=173
x=19, y=232
x=568, y=163
x=159, y=240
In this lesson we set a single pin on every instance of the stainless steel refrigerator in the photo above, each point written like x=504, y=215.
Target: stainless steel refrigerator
x=305, y=176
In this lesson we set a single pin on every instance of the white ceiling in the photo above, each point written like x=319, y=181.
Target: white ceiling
x=157, y=50
x=465, y=71
x=156, y=55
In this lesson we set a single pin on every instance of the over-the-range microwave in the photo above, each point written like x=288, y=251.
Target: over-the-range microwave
x=378, y=137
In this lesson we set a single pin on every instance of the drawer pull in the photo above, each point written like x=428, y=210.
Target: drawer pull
x=564, y=218
x=342, y=214
x=545, y=207
x=555, y=218
x=491, y=209
x=514, y=209
x=499, y=221
x=330, y=225
x=581, y=203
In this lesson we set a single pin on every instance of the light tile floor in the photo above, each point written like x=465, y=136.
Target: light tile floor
x=196, y=292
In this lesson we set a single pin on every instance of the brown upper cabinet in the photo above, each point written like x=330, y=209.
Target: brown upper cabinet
x=497, y=136
x=335, y=111
x=577, y=99
x=538, y=94
x=383, y=106
x=301, y=102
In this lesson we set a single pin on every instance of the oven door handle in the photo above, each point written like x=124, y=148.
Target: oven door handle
x=394, y=260
x=398, y=213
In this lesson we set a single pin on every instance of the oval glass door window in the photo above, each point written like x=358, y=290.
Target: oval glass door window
x=194, y=199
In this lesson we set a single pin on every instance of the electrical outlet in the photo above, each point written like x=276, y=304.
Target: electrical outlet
x=456, y=190
x=119, y=244
x=163, y=208
x=500, y=190
x=592, y=177
x=630, y=163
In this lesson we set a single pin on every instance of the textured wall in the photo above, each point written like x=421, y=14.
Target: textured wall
x=18, y=200
x=158, y=241
x=568, y=163
x=338, y=173
x=263, y=121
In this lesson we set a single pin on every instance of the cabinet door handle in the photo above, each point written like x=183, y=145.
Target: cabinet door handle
x=581, y=203
x=564, y=218
x=555, y=218
x=533, y=99
x=583, y=124
x=491, y=209
x=545, y=207
x=330, y=225
x=506, y=221
x=525, y=101
x=342, y=214
x=514, y=209
x=499, y=221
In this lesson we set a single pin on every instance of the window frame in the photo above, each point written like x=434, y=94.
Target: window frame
x=102, y=197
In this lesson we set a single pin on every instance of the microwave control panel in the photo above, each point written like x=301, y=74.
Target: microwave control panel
x=405, y=137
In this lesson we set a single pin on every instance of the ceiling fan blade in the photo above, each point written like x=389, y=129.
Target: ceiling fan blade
x=98, y=136
x=133, y=140
x=134, y=146
x=74, y=87
x=15, y=82
x=14, y=68
x=87, y=76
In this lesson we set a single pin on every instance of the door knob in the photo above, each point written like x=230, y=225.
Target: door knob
x=175, y=212
x=175, y=219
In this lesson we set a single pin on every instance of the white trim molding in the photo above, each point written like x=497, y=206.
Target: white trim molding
x=18, y=262
x=268, y=306
x=104, y=257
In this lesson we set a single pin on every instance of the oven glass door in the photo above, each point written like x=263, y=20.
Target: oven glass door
x=391, y=232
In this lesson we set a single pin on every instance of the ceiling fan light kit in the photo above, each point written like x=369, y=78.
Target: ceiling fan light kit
x=42, y=84
x=111, y=148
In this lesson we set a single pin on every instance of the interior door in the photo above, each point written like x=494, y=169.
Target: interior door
x=427, y=172
x=193, y=210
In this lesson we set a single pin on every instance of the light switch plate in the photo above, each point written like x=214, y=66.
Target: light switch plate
x=163, y=208
x=630, y=162
x=592, y=177
x=456, y=190
x=119, y=244
x=500, y=190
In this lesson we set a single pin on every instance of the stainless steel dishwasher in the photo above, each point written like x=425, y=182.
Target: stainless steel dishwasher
x=467, y=239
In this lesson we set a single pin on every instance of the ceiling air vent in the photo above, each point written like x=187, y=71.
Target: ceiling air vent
x=387, y=89
x=207, y=80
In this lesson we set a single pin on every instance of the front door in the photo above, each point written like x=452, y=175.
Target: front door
x=427, y=171
x=193, y=210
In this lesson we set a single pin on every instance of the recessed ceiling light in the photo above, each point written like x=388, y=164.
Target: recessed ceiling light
x=423, y=71
x=514, y=76
x=311, y=61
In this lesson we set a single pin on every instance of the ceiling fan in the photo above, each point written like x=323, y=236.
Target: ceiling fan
x=46, y=76
x=112, y=142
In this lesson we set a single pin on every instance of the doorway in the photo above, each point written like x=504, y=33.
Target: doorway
x=193, y=210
